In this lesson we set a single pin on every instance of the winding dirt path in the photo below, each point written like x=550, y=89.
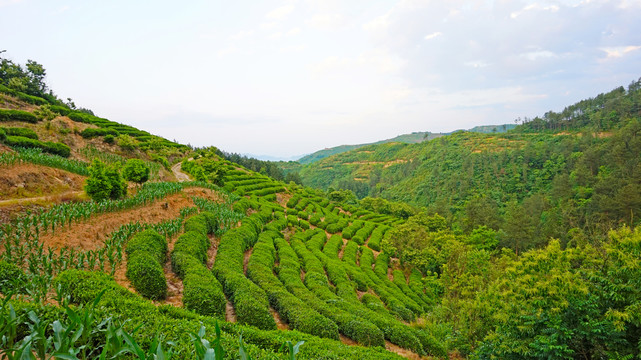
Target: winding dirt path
x=179, y=174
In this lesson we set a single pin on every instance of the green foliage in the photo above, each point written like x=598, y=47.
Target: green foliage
x=89, y=133
x=84, y=286
x=291, y=309
x=146, y=275
x=148, y=241
x=483, y=238
x=36, y=156
x=19, y=131
x=44, y=112
x=48, y=146
x=12, y=278
x=146, y=254
x=555, y=303
x=126, y=142
x=168, y=322
x=104, y=182
x=250, y=301
x=202, y=292
x=35, y=100
x=17, y=115
x=135, y=170
x=59, y=109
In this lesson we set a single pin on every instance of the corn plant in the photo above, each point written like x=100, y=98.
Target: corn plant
x=227, y=218
x=292, y=349
x=204, y=349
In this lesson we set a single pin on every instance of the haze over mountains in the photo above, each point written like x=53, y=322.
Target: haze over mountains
x=411, y=138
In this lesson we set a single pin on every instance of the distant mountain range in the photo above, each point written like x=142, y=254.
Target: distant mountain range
x=413, y=138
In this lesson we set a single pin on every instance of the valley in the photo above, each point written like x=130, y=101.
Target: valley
x=523, y=243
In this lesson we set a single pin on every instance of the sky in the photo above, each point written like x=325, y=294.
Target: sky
x=289, y=77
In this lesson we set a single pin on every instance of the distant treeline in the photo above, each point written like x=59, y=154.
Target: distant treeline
x=268, y=168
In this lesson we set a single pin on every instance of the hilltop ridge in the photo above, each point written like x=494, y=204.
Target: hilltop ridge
x=411, y=138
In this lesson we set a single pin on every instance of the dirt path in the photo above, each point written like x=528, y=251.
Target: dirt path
x=213, y=250
x=403, y=352
x=280, y=323
x=342, y=249
x=230, y=313
x=248, y=255
x=46, y=198
x=180, y=175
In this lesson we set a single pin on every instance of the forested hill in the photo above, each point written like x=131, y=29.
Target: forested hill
x=575, y=169
x=412, y=138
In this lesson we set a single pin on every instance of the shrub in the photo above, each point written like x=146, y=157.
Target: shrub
x=92, y=132
x=126, y=142
x=84, y=286
x=56, y=149
x=22, y=96
x=19, y=131
x=250, y=301
x=293, y=310
x=202, y=292
x=135, y=170
x=349, y=231
x=193, y=243
x=12, y=278
x=62, y=110
x=104, y=182
x=292, y=220
x=304, y=225
x=49, y=147
x=148, y=241
x=315, y=220
x=17, y=115
x=146, y=254
x=109, y=139
x=3, y=134
x=198, y=224
x=376, y=237
x=146, y=275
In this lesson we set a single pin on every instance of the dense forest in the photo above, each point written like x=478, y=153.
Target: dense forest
x=568, y=170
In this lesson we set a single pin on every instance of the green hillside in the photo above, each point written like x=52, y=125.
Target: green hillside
x=413, y=138
x=483, y=246
x=583, y=175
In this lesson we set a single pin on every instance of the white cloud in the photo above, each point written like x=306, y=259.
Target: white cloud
x=280, y=13
x=377, y=24
x=378, y=61
x=433, y=35
x=533, y=7
x=535, y=55
x=270, y=25
x=293, y=31
x=619, y=51
x=477, y=64
x=241, y=35
x=326, y=21
x=226, y=51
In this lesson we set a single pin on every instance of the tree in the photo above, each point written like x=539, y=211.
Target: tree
x=118, y=184
x=104, y=182
x=136, y=170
